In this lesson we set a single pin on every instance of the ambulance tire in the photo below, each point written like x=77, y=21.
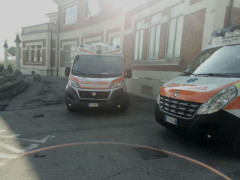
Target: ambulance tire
x=125, y=105
x=70, y=109
x=236, y=143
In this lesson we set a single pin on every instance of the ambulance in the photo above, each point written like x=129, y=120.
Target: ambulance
x=204, y=100
x=97, y=78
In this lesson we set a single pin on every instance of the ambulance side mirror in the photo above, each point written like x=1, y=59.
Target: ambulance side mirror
x=67, y=71
x=128, y=73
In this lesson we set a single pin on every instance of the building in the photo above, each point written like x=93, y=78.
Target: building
x=159, y=38
x=39, y=47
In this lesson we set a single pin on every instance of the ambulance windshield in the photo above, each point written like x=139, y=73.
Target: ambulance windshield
x=220, y=62
x=97, y=66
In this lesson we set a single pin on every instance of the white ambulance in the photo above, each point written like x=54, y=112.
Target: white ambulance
x=204, y=100
x=97, y=78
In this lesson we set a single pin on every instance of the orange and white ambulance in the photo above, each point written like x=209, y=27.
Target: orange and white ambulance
x=97, y=78
x=204, y=100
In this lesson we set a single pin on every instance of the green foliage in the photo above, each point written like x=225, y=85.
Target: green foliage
x=11, y=67
x=12, y=51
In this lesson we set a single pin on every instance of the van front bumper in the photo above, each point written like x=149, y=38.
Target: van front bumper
x=220, y=126
x=116, y=98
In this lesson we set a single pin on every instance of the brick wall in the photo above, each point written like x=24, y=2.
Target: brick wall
x=191, y=43
x=192, y=36
x=235, y=16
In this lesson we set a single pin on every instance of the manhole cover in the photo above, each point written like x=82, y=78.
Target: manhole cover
x=3, y=107
x=148, y=154
x=38, y=115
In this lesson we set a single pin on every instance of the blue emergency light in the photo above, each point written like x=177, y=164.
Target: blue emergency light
x=222, y=32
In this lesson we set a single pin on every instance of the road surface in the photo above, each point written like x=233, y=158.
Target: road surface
x=40, y=139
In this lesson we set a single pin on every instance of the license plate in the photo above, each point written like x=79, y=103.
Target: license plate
x=171, y=120
x=93, y=105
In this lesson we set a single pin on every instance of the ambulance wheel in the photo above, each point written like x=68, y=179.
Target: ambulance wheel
x=69, y=108
x=236, y=143
x=125, y=105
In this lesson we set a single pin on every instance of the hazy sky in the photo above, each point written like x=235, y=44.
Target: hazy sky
x=15, y=14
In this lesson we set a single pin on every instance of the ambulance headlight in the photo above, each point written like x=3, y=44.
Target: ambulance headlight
x=73, y=83
x=218, y=101
x=117, y=84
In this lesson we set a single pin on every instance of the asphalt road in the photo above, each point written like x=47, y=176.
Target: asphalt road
x=40, y=139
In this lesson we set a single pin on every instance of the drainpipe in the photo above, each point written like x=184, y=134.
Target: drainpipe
x=51, y=53
x=58, y=41
x=229, y=20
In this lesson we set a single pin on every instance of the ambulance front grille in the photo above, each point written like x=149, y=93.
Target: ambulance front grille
x=94, y=94
x=179, y=108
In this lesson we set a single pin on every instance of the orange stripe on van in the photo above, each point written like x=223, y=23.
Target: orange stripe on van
x=193, y=96
x=116, y=80
x=112, y=52
x=235, y=104
x=75, y=79
x=87, y=51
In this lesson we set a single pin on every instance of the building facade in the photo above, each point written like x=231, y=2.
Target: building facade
x=159, y=38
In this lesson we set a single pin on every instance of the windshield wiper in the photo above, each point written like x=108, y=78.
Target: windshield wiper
x=213, y=74
x=189, y=74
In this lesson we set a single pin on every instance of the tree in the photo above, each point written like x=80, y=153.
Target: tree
x=12, y=51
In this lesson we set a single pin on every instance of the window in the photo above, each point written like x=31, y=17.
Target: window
x=116, y=41
x=98, y=66
x=34, y=53
x=155, y=31
x=220, y=62
x=39, y=53
x=93, y=8
x=29, y=55
x=139, y=40
x=175, y=31
x=71, y=15
x=69, y=53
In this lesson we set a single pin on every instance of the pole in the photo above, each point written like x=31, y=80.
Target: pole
x=18, y=52
x=5, y=55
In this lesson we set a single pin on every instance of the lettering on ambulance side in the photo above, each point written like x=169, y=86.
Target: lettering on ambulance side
x=201, y=88
x=95, y=83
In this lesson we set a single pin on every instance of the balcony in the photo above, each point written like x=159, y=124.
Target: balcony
x=40, y=28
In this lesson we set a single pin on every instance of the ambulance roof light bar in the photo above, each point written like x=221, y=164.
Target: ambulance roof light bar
x=227, y=32
x=99, y=49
